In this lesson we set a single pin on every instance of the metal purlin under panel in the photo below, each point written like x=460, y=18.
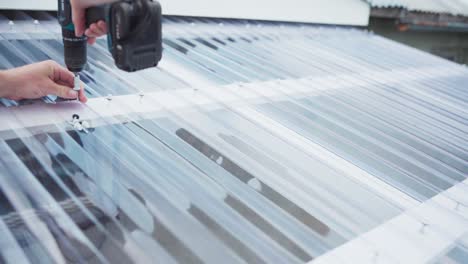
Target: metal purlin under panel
x=254, y=142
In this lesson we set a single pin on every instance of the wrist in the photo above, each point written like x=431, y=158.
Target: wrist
x=6, y=86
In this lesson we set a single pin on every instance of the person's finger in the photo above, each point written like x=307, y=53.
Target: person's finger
x=62, y=75
x=91, y=40
x=102, y=26
x=82, y=95
x=90, y=33
x=97, y=29
x=61, y=91
x=94, y=31
x=79, y=19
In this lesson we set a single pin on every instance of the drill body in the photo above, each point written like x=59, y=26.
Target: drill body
x=134, y=34
x=74, y=48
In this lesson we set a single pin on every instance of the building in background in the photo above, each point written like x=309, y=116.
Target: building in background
x=439, y=26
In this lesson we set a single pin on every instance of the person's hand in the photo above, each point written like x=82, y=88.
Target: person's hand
x=79, y=19
x=37, y=80
x=96, y=30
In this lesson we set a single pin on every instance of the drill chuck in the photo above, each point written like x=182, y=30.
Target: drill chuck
x=74, y=51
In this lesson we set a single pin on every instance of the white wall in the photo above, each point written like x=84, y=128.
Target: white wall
x=353, y=12
x=342, y=12
x=29, y=4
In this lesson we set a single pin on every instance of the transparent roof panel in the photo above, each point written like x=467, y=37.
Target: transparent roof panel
x=256, y=142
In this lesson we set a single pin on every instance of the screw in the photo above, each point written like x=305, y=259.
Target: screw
x=78, y=126
x=77, y=83
x=375, y=257
x=423, y=228
x=85, y=124
x=36, y=24
x=141, y=94
x=459, y=205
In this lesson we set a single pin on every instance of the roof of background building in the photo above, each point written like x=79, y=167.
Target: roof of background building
x=453, y=7
x=251, y=142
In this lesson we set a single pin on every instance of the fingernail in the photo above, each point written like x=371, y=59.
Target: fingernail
x=72, y=93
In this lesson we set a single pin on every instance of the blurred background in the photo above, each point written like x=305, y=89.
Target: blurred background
x=436, y=26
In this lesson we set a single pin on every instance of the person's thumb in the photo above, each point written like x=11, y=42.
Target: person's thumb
x=62, y=91
x=78, y=18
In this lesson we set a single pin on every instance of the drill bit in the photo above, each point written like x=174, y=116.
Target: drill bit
x=77, y=84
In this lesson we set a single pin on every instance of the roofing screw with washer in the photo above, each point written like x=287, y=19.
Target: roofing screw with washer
x=78, y=125
x=85, y=124
x=458, y=206
x=423, y=228
x=375, y=257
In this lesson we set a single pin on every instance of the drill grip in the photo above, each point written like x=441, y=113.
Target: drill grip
x=95, y=14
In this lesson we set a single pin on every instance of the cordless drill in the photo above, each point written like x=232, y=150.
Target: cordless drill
x=134, y=35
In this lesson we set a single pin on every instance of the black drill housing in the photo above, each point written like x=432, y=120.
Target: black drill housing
x=134, y=32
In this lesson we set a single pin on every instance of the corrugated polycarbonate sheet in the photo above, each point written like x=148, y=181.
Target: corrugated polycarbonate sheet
x=456, y=253
x=454, y=7
x=251, y=142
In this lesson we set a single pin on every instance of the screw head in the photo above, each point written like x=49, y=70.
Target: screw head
x=85, y=124
x=78, y=126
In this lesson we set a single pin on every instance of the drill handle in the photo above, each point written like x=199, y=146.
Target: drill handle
x=95, y=14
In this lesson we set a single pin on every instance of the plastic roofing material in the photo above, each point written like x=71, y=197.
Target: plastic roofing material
x=453, y=7
x=251, y=142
